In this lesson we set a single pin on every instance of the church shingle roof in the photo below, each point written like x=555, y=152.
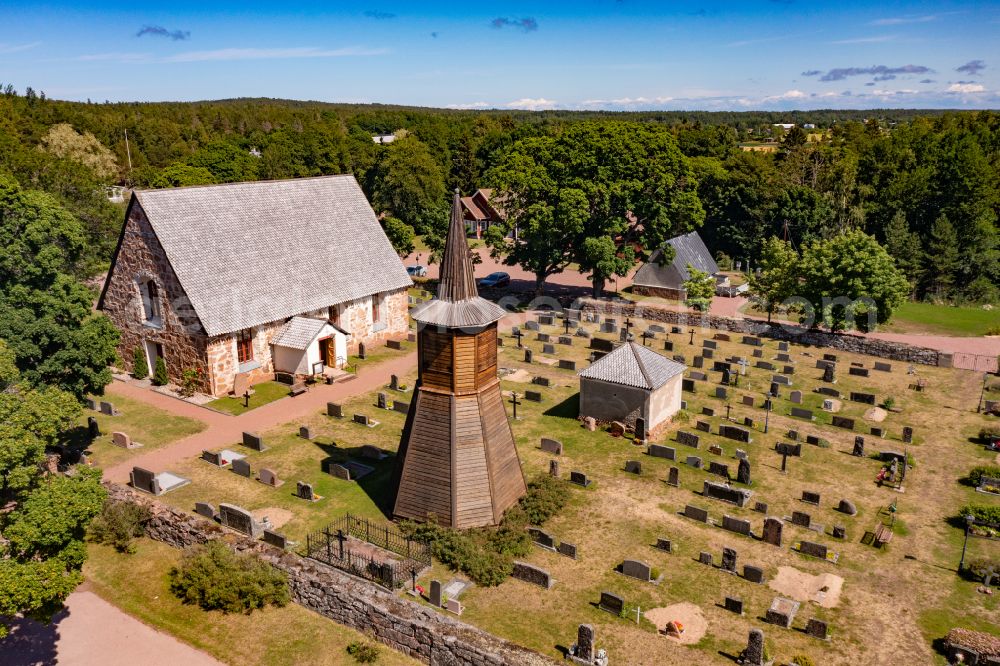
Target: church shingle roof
x=634, y=365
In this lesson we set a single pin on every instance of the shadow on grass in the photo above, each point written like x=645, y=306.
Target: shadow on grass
x=567, y=409
x=375, y=484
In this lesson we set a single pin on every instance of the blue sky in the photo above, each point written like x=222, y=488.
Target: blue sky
x=588, y=54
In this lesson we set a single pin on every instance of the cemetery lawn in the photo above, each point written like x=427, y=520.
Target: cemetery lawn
x=377, y=353
x=145, y=424
x=264, y=393
x=894, y=601
x=934, y=319
x=137, y=584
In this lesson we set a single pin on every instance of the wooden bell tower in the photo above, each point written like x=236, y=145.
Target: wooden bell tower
x=457, y=461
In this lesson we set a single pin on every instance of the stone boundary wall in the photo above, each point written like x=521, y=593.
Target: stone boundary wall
x=896, y=351
x=406, y=626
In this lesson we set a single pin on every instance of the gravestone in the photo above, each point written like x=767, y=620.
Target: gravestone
x=801, y=518
x=239, y=519
x=252, y=440
x=275, y=539
x=859, y=446
x=734, y=604
x=668, y=346
x=205, y=509
x=541, y=381
x=812, y=549
x=640, y=429
x=760, y=507
x=813, y=439
x=753, y=574
x=108, y=408
x=362, y=351
x=877, y=432
x=696, y=513
x=362, y=419
x=810, y=497
x=333, y=409
x=532, y=325
x=883, y=367
x=735, y=432
x=633, y=467
x=548, y=349
x=753, y=654
x=828, y=405
x=241, y=466
x=552, y=446
x=567, y=549
x=673, y=477
x=719, y=469
x=772, y=530
x=697, y=376
x=579, y=478
x=729, y=560
x=269, y=477
x=602, y=345
x=93, y=428
x=748, y=422
x=816, y=628
x=542, y=538
x=743, y=472
x=339, y=471
x=144, y=480
x=715, y=450
x=688, y=438
x=830, y=357
x=828, y=374
x=435, y=594
x=781, y=379
x=663, y=544
x=554, y=468
x=793, y=435
x=783, y=346
x=842, y=422
x=726, y=493
x=702, y=426
x=304, y=491
x=122, y=440
x=705, y=558
x=907, y=435
x=788, y=449
x=212, y=458
x=741, y=455
x=765, y=365
x=721, y=392
x=383, y=400
x=737, y=525
x=801, y=413
x=709, y=344
x=748, y=401
x=827, y=391
x=305, y=432
x=533, y=396
x=636, y=569
x=783, y=357
x=857, y=372
x=796, y=397
x=698, y=361
x=847, y=506
x=782, y=612
x=758, y=353
x=839, y=532
x=585, y=649
x=611, y=603
x=707, y=411
x=565, y=340
x=527, y=355
x=687, y=385
x=660, y=451
x=694, y=461
x=865, y=398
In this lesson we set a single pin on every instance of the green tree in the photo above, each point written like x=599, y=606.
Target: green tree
x=849, y=276
x=160, y=377
x=409, y=184
x=776, y=278
x=227, y=163
x=400, y=235
x=63, y=141
x=46, y=314
x=699, y=288
x=905, y=248
x=181, y=175
x=942, y=257
x=140, y=366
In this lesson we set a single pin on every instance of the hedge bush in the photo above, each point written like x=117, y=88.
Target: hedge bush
x=215, y=578
x=140, y=367
x=364, y=652
x=119, y=524
x=160, y=377
x=486, y=555
x=983, y=513
x=989, y=471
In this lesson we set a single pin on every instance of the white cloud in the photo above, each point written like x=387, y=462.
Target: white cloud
x=966, y=88
x=529, y=104
x=471, y=105
x=221, y=55
x=903, y=20
x=788, y=94
x=866, y=40
x=626, y=101
x=17, y=48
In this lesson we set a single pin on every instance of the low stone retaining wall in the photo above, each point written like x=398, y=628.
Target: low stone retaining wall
x=896, y=351
x=411, y=628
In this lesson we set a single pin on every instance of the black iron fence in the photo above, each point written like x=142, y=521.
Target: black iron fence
x=404, y=557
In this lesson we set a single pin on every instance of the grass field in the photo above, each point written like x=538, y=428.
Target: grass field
x=144, y=423
x=263, y=393
x=137, y=584
x=943, y=319
x=896, y=600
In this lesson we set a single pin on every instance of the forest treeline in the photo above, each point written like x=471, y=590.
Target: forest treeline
x=925, y=184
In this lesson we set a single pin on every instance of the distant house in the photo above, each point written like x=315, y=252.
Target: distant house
x=666, y=280
x=250, y=279
x=629, y=383
x=384, y=138
x=480, y=212
x=784, y=126
x=809, y=126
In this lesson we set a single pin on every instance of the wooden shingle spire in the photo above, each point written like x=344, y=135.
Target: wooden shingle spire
x=457, y=280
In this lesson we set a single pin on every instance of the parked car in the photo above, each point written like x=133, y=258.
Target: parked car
x=416, y=271
x=495, y=280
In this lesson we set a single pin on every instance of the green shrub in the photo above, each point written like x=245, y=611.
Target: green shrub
x=989, y=471
x=119, y=524
x=160, y=377
x=803, y=660
x=986, y=432
x=985, y=568
x=888, y=403
x=983, y=513
x=364, y=652
x=546, y=497
x=190, y=382
x=215, y=578
x=140, y=368
x=993, y=330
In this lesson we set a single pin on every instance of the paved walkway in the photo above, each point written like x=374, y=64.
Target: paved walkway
x=91, y=632
x=225, y=429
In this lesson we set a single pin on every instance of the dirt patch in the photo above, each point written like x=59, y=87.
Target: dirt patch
x=823, y=589
x=278, y=517
x=688, y=614
x=521, y=376
x=876, y=414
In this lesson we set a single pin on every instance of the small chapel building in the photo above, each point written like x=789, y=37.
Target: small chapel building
x=245, y=280
x=630, y=383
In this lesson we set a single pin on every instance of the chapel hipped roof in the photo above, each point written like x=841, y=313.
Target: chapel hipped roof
x=457, y=304
x=634, y=365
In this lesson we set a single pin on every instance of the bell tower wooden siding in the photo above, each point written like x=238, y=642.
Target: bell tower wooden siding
x=459, y=463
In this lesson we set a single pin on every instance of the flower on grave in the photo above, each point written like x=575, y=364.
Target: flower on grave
x=420, y=589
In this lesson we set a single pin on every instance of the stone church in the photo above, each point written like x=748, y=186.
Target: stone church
x=250, y=279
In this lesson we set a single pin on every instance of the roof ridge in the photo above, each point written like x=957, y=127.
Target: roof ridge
x=642, y=366
x=241, y=182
